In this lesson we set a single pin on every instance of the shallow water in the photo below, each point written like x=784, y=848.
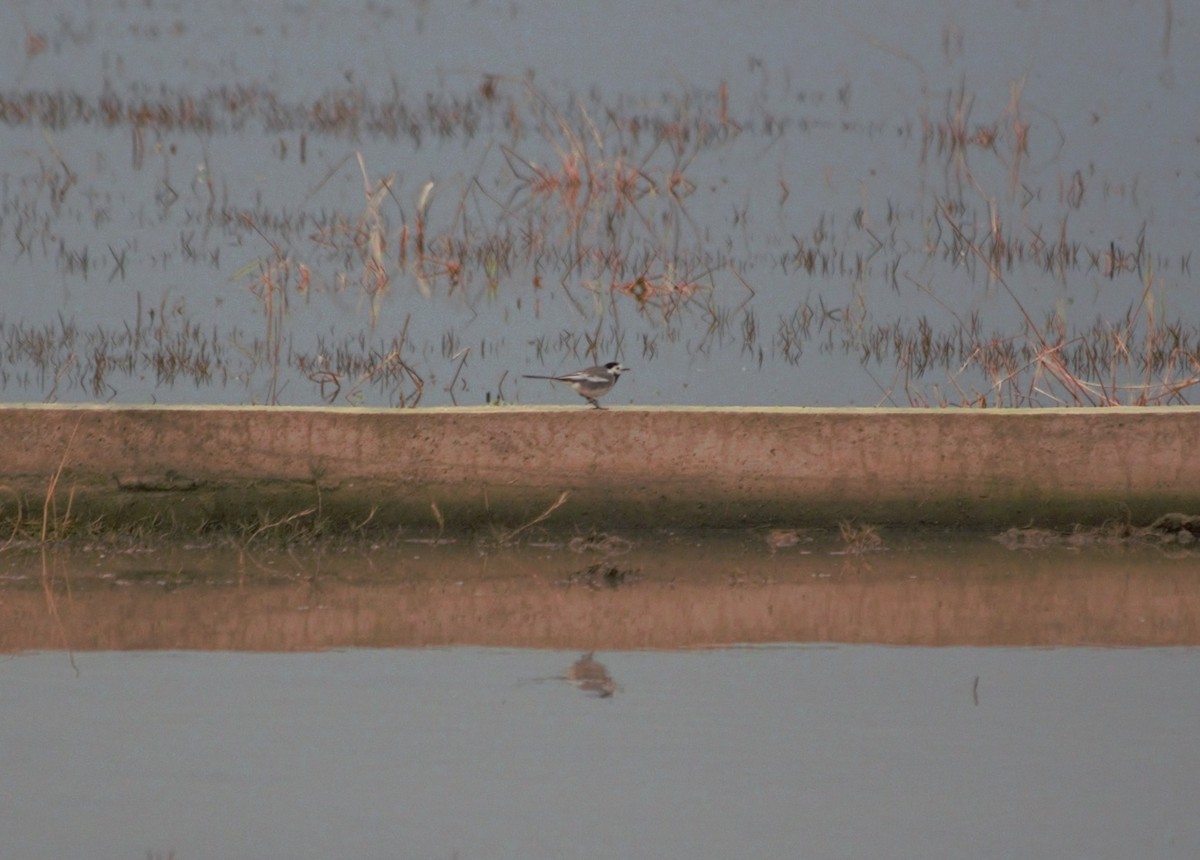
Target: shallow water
x=845, y=751
x=745, y=696
x=777, y=205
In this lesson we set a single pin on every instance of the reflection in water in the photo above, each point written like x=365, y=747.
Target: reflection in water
x=666, y=593
x=591, y=676
x=780, y=752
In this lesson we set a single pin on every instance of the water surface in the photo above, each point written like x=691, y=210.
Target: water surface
x=411, y=203
x=825, y=752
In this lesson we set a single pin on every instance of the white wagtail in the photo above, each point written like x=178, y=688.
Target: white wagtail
x=590, y=383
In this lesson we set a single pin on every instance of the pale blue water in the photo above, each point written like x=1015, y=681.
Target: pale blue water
x=818, y=145
x=816, y=752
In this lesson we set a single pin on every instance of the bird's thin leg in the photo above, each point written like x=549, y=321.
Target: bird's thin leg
x=592, y=400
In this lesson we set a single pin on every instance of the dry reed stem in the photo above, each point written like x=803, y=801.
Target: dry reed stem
x=50, y=491
x=508, y=536
x=1020, y=130
x=375, y=277
x=1047, y=356
x=47, y=580
x=280, y=522
x=437, y=515
x=18, y=519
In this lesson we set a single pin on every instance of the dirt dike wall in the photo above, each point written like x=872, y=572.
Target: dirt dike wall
x=620, y=467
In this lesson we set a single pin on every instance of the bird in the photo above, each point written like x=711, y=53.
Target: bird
x=592, y=382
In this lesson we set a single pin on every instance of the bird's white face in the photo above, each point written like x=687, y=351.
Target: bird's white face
x=617, y=368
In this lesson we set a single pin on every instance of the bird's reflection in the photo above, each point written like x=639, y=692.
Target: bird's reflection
x=591, y=676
